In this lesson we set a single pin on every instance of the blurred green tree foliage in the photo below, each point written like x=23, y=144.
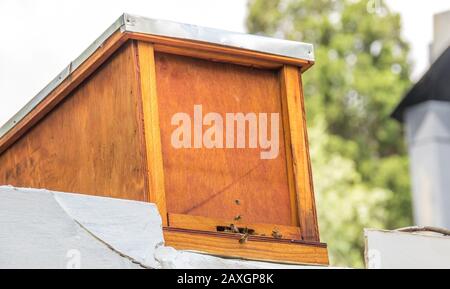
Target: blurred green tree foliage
x=361, y=72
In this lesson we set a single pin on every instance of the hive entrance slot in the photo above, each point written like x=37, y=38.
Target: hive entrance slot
x=234, y=229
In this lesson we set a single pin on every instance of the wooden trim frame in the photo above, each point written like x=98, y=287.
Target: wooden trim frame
x=295, y=244
x=218, y=57
x=149, y=107
x=255, y=248
x=296, y=139
x=221, y=53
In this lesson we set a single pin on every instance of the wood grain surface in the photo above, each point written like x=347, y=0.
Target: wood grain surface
x=207, y=182
x=298, y=150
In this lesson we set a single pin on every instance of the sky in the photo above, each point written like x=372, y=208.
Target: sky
x=43, y=36
x=417, y=24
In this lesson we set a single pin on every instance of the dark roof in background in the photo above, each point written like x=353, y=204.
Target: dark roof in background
x=434, y=85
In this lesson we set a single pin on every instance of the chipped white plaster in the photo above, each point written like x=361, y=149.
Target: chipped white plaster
x=132, y=228
x=35, y=232
x=44, y=229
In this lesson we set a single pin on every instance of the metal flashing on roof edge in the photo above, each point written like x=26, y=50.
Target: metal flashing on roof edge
x=258, y=43
x=137, y=24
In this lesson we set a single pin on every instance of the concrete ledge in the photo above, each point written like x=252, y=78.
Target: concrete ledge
x=45, y=229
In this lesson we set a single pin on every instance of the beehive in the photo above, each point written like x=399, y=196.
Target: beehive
x=154, y=110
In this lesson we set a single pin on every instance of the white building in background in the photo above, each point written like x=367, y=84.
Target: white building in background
x=425, y=113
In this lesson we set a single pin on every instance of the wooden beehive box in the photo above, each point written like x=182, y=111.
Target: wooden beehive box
x=207, y=124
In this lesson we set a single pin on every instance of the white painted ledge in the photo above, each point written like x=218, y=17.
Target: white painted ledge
x=45, y=229
x=400, y=250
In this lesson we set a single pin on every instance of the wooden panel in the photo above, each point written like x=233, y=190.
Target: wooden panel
x=90, y=143
x=228, y=245
x=207, y=182
x=149, y=108
x=209, y=224
x=294, y=107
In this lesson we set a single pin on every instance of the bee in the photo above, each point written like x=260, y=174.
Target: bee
x=237, y=202
x=276, y=234
x=244, y=238
x=234, y=229
x=238, y=218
